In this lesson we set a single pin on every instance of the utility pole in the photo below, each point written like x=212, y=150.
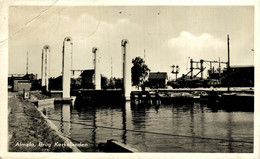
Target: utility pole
x=111, y=67
x=144, y=54
x=27, y=64
x=228, y=69
x=191, y=69
x=219, y=67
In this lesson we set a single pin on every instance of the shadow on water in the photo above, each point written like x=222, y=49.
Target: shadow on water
x=214, y=103
x=233, y=106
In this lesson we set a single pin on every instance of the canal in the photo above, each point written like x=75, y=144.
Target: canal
x=170, y=127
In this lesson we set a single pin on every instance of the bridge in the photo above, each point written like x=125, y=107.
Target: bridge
x=67, y=70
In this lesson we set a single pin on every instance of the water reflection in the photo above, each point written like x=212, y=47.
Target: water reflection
x=192, y=127
x=45, y=109
x=124, y=125
x=230, y=131
x=138, y=121
x=94, y=130
x=65, y=119
x=202, y=118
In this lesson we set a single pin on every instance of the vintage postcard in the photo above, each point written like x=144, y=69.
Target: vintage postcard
x=130, y=80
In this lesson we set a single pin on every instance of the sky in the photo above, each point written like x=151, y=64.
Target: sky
x=162, y=35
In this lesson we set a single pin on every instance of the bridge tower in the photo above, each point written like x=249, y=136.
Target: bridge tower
x=126, y=69
x=66, y=66
x=96, y=68
x=45, y=67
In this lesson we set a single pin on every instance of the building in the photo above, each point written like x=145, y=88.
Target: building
x=87, y=79
x=157, y=79
x=35, y=85
x=12, y=78
x=22, y=85
x=30, y=77
x=55, y=83
x=239, y=76
x=242, y=76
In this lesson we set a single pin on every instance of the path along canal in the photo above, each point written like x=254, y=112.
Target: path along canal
x=170, y=127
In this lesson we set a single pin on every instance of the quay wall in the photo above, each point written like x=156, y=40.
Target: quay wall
x=29, y=129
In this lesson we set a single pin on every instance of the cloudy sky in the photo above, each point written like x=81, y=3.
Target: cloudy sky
x=170, y=35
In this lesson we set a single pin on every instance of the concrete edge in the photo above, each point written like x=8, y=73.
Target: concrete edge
x=124, y=146
x=52, y=126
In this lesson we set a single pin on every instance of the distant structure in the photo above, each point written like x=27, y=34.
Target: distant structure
x=20, y=85
x=96, y=69
x=126, y=69
x=157, y=79
x=240, y=76
x=45, y=67
x=198, y=65
x=87, y=77
x=23, y=79
x=56, y=83
x=66, y=66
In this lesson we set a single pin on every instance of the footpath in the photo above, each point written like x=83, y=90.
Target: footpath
x=28, y=131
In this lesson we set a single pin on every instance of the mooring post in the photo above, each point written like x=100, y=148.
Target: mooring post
x=45, y=67
x=66, y=67
x=126, y=69
x=96, y=69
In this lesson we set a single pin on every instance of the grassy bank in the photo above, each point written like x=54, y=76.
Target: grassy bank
x=28, y=131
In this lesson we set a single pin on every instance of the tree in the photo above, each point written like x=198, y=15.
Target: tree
x=119, y=83
x=139, y=71
x=111, y=83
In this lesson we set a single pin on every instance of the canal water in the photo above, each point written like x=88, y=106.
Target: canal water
x=169, y=127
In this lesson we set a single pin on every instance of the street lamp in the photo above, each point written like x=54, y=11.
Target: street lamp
x=175, y=71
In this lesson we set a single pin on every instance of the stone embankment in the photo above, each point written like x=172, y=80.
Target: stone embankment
x=28, y=130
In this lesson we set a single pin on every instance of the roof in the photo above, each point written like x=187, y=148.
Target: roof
x=157, y=75
x=29, y=76
x=59, y=77
x=22, y=81
x=87, y=72
x=242, y=66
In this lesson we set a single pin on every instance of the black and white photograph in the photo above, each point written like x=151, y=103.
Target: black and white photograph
x=142, y=79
